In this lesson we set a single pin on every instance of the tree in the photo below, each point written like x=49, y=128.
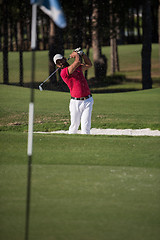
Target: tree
x=100, y=62
x=87, y=30
x=138, y=24
x=159, y=28
x=43, y=29
x=20, y=44
x=55, y=46
x=52, y=50
x=20, y=40
x=5, y=43
x=1, y=23
x=113, y=40
x=147, y=45
x=78, y=24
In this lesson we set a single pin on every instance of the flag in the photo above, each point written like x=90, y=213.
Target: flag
x=53, y=9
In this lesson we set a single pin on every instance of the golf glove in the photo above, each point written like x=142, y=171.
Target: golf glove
x=79, y=51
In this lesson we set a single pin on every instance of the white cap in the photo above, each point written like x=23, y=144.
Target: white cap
x=57, y=57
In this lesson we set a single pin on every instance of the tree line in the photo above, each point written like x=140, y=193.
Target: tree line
x=90, y=23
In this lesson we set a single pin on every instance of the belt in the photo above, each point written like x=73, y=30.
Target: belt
x=82, y=98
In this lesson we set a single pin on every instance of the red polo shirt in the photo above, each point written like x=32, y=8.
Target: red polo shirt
x=76, y=82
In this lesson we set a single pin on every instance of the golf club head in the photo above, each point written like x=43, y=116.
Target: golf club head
x=40, y=88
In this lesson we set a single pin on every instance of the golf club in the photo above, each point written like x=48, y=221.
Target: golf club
x=40, y=86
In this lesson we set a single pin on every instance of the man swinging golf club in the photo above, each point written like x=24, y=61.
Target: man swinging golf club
x=81, y=102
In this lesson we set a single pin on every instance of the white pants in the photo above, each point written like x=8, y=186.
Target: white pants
x=80, y=112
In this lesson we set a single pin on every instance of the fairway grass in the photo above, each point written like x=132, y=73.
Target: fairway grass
x=130, y=110
x=83, y=187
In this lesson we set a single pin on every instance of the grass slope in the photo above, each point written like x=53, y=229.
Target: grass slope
x=120, y=110
x=83, y=187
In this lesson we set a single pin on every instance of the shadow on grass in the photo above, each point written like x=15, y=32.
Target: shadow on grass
x=109, y=85
x=112, y=84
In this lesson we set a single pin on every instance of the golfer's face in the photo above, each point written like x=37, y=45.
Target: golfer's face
x=61, y=63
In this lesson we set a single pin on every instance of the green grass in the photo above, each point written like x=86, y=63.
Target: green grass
x=109, y=151
x=120, y=110
x=83, y=187
x=130, y=66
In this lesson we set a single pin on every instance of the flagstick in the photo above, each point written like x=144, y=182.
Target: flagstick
x=31, y=119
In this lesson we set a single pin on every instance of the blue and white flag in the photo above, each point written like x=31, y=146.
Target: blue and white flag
x=53, y=9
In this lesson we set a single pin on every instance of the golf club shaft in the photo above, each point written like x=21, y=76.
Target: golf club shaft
x=51, y=75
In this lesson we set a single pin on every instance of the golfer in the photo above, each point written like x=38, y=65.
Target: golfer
x=81, y=102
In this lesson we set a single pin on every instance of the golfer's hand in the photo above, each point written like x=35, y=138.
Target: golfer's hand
x=74, y=55
x=79, y=51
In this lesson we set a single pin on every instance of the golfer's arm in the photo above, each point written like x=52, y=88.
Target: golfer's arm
x=74, y=65
x=87, y=63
